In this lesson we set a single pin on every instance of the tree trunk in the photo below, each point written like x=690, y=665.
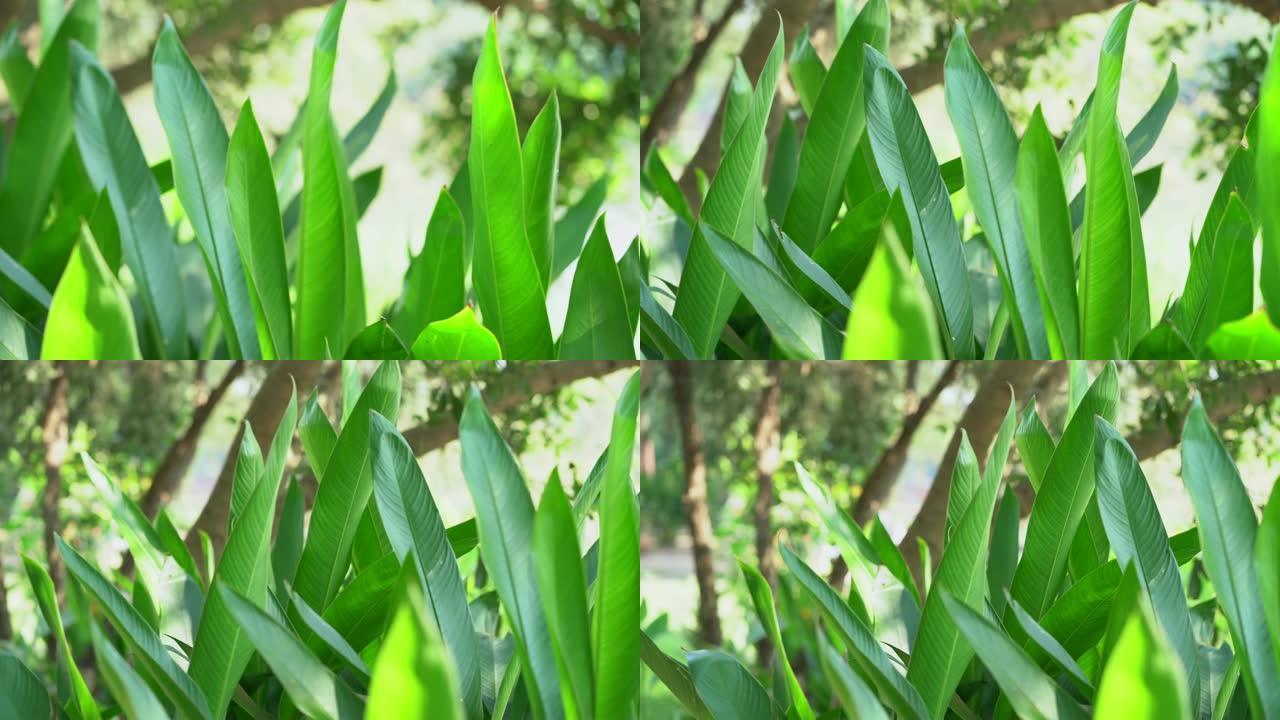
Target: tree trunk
x=981, y=420
x=695, y=504
x=767, y=440
x=1222, y=399
x=264, y=415
x=177, y=460
x=54, y=436
x=880, y=482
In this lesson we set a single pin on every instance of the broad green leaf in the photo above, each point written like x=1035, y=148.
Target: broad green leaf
x=563, y=586
x=19, y=340
x=129, y=689
x=810, y=278
x=1219, y=285
x=762, y=599
x=23, y=280
x=989, y=149
x=221, y=648
x=1046, y=225
x=835, y=125
x=505, y=519
x=312, y=687
x=287, y=550
x=360, y=611
x=1138, y=538
x=727, y=688
x=16, y=67
x=1049, y=646
x=344, y=492
x=658, y=179
x=413, y=525
x=146, y=644
x=1030, y=692
x=413, y=675
x=1268, y=168
x=870, y=657
x=596, y=324
x=458, y=337
x=707, y=296
x=1228, y=532
x=796, y=327
x=326, y=641
x=507, y=270
x=42, y=132
x=616, y=611
x=47, y=600
x=1141, y=680
x=855, y=695
x=89, y=316
x=633, y=266
x=540, y=156
x=782, y=175
x=574, y=224
x=434, y=285
x=377, y=342
x=661, y=331
x=940, y=655
x=328, y=257
x=255, y=219
x=806, y=71
x=1267, y=558
x=115, y=162
x=1114, y=304
x=1062, y=499
x=1253, y=337
x=198, y=141
x=891, y=319
x=908, y=165
x=22, y=694
x=674, y=675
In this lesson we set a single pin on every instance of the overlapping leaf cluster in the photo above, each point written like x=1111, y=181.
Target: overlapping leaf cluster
x=372, y=608
x=90, y=266
x=853, y=247
x=1096, y=612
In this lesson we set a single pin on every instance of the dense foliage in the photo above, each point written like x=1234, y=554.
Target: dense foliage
x=372, y=607
x=91, y=268
x=853, y=247
x=1097, y=610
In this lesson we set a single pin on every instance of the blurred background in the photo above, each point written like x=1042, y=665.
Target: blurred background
x=719, y=442
x=1036, y=51
x=584, y=50
x=162, y=431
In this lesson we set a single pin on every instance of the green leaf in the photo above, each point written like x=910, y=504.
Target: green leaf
x=459, y=337
x=891, y=319
x=811, y=279
x=505, y=519
x=908, y=165
x=359, y=613
x=507, y=269
x=597, y=325
x=42, y=133
x=616, y=610
x=1138, y=538
x=326, y=640
x=114, y=160
x=871, y=659
x=540, y=158
x=1268, y=168
x=221, y=648
x=434, y=285
x=855, y=695
x=1046, y=225
x=135, y=697
x=312, y=687
x=782, y=175
x=377, y=342
x=706, y=296
x=328, y=255
x=1048, y=646
x=762, y=599
x=661, y=330
x=1219, y=286
x=1061, y=500
x=1267, y=558
x=674, y=675
x=198, y=142
x=146, y=644
x=806, y=71
x=1228, y=533
x=89, y=316
x=726, y=687
x=16, y=67
x=344, y=492
x=1114, y=303
x=797, y=328
x=18, y=339
x=255, y=219
x=573, y=226
x=413, y=526
x=989, y=148
x=22, y=695
x=1141, y=680
x=413, y=675
x=835, y=125
x=1030, y=692
x=563, y=586
x=47, y=600
x=1252, y=337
